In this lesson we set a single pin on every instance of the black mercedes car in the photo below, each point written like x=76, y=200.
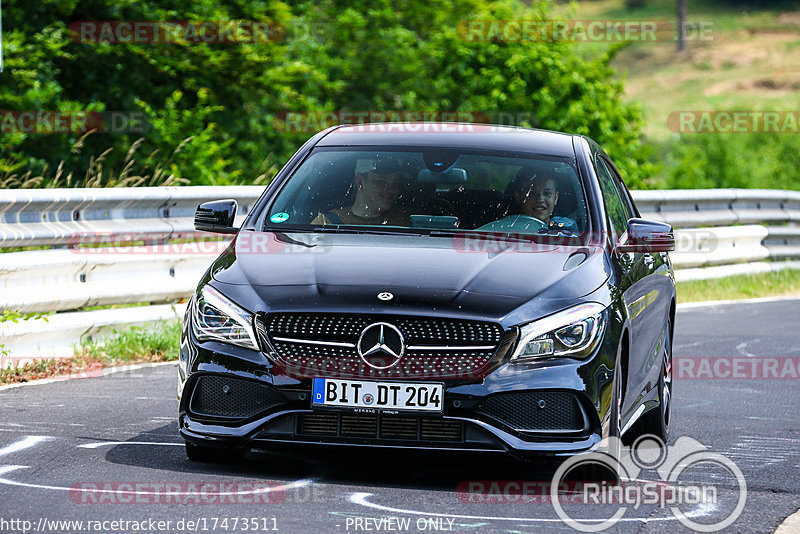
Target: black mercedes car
x=432, y=286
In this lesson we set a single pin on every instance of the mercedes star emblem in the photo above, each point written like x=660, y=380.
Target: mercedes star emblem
x=385, y=296
x=381, y=345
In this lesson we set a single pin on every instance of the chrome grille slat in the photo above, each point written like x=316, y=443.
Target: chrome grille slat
x=320, y=344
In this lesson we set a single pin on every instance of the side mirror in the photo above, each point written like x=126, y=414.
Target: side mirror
x=648, y=236
x=216, y=216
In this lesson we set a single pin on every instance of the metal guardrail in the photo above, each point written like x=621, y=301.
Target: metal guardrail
x=719, y=232
x=778, y=210
x=70, y=279
x=692, y=208
x=59, y=216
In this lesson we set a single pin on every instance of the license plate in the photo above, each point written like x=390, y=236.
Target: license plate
x=335, y=393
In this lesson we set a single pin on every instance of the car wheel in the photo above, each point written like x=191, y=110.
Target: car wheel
x=609, y=471
x=200, y=453
x=656, y=421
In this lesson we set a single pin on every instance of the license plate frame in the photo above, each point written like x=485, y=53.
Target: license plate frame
x=387, y=396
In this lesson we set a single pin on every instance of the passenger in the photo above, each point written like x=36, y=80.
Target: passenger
x=376, y=192
x=536, y=195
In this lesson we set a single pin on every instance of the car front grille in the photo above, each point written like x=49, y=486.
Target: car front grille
x=380, y=427
x=535, y=411
x=228, y=397
x=317, y=344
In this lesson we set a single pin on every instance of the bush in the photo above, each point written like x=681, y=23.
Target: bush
x=213, y=108
x=747, y=160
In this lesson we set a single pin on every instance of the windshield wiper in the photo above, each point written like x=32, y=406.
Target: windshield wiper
x=478, y=234
x=349, y=230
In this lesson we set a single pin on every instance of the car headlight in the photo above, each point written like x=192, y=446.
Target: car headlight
x=574, y=332
x=216, y=317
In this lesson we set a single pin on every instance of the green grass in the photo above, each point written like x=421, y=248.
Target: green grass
x=745, y=286
x=159, y=343
x=744, y=66
x=135, y=173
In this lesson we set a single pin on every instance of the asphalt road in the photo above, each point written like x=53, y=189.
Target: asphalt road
x=106, y=451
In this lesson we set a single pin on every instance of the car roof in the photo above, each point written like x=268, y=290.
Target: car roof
x=452, y=135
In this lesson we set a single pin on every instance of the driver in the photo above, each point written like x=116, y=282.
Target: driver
x=536, y=195
x=377, y=189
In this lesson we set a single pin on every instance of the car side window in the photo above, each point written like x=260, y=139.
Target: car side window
x=618, y=212
x=625, y=195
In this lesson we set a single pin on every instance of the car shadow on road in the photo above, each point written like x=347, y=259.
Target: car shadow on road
x=357, y=466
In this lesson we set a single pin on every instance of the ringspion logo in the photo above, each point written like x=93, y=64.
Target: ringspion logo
x=672, y=463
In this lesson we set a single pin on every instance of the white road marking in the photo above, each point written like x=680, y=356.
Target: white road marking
x=761, y=451
x=8, y=468
x=268, y=489
x=689, y=305
x=740, y=348
x=790, y=525
x=104, y=443
x=28, y=442
x=361, y=498
x=40, y=423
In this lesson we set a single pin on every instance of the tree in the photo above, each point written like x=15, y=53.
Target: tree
x=682, y=9
x=214, y=109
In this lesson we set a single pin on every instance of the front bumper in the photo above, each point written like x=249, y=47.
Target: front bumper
x=464, y=425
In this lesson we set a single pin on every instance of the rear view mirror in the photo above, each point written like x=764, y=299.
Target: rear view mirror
x=453, y=175
x=216, y=216
x=648, y=236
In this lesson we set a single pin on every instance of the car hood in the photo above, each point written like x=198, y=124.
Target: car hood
x=487, y=277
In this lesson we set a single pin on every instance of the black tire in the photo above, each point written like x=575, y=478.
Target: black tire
x=200, y=453
x=656, y=421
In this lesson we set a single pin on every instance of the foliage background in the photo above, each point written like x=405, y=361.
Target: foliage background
x=214, y=109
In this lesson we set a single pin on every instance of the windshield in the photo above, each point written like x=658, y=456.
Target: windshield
x=431, y=189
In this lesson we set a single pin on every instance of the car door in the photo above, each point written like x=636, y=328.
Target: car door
x=652, y=303
x=634, y=271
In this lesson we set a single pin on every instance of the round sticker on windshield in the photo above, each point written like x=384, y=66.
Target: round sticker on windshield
x=279, y=217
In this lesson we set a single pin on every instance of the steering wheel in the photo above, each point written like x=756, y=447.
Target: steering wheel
x=438, y=206
x=515, y=223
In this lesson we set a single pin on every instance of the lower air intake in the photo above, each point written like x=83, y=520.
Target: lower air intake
x=221, y=396
x=535, y=411
x=383, y=427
